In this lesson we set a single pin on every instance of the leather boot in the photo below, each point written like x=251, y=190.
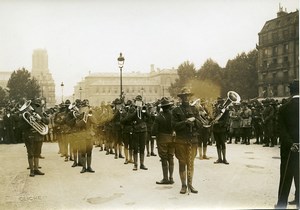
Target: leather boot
x=126, y=155
x=152, y=148
x=130, y=156
x=204, y=153
x=164, y=165
x=142, y=166
x=190, y=180
x=30, y=162
x=120, y=151
x=200, y=153
x=219, y=156
x=182, y=174
x=89, y=162
x=224, y=156
x=171, y=169
x=36, y=167
x=134, y=162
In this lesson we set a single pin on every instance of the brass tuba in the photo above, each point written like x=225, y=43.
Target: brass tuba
x=232, y=97
x=32, y=118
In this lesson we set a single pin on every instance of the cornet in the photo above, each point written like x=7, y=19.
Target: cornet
x=33, y=119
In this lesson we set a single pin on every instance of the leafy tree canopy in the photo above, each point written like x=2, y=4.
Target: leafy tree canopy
x=21, y=85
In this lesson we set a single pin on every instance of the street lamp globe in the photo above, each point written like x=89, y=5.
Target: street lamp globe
x=121, y=60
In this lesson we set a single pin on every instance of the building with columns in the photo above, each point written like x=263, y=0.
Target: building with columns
x=41, y=73
x=101, y=88
x=278, y=54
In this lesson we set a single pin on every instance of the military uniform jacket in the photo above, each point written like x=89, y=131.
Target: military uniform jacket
x=162, y=127
x=288, y=119
x=138, y=123
x=184, y=131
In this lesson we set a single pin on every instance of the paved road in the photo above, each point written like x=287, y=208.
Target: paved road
x=249, y=181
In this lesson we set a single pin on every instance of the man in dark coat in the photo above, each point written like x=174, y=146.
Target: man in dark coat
x=289, y=151
x=162, y=129
x=186, y=123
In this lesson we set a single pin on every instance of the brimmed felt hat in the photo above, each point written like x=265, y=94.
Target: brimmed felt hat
x=165, y=102
x=138, y=98
x=185, y=91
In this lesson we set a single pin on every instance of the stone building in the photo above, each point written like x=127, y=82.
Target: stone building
x=4, y=77
x=41, y=72
x=101, y=88
x=278, y=54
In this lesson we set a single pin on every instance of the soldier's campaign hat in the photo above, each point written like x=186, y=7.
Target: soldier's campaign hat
x=117, y=101
x=165, y=102
x=138, y=98
x=128, y=102
x=185, y=91
x=37, y=101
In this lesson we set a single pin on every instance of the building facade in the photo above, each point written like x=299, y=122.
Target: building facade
x=101, y=88
x=278, y=54
x=4, y=77
x=41, y=73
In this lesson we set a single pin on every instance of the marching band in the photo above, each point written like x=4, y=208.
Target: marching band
x=182, y=129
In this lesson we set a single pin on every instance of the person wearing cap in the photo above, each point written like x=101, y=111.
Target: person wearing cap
x=33, y=139
x=204, y=132
x=86, y=125
x=138, y=120
x=117, y=129
x=267, y=117
x=186, y=123
x=246, y=123
x=127, y=132
x=235, y=122
x=220, y=130
x=288, y=119
x=164, y=134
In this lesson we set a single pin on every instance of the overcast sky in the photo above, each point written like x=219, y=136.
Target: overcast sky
x=83, y=36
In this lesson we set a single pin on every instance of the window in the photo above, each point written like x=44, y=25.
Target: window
x=274, y=50
x=275, y=36
x=285, y=48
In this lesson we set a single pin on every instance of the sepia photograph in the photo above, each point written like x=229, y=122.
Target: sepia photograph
x=149, y=105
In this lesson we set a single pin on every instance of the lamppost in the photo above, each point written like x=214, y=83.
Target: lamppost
x=121, y=60
x=62, y=92
x=80, y=89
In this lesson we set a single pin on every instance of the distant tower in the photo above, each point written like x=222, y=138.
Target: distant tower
x=41, y=72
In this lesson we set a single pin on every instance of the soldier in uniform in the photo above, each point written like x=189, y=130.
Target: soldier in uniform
x=289, y=150
x=267, y=117
x=246, y=125
x=33, y=139
x=138, y=119
x=204, y=132
x=127, y=132
x=86, y=124
x=186, y=123
x=164, y=134
x=117, y=128
x=257, y=123
x=219, y=130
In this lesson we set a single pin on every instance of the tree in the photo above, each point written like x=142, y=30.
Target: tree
x=241, y=75
x=186, y=72
x=21, y=85
x=3, y=97
x=208, y=83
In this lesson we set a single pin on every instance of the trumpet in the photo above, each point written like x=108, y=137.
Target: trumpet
x=32, y=118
